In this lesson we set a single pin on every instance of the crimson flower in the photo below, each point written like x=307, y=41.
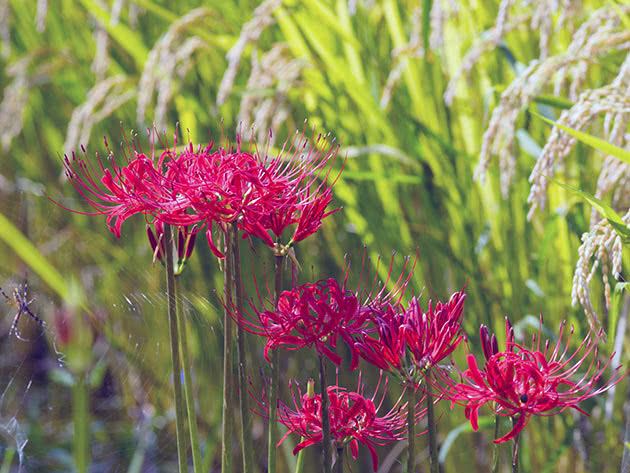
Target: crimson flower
x=354, y=419
x=319, y=314
x=139, y=187
x=409, y=342
x=261, y=193
x=523, y=381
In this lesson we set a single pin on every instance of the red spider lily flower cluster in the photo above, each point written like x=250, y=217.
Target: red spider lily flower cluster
x=523, y=381
x=319, y=314
x=353, y=417
x=409, y=342
x=262, y=193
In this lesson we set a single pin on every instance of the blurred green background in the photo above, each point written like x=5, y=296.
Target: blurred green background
x=373, y=74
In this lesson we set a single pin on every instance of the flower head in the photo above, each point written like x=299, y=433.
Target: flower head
x=319, y=314
x=261, y=193
x=523, y=381
x=409, y=342
x=354, y=419
x=139, y=187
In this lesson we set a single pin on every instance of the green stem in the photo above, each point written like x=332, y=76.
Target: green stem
x=339, y=468
x=226, y=449
x=246, y=443
x=273, y=389
x=81, y=414
x=174, y=339
x=299, y=465
x=433, y=451
x=495, y=453
x=310, y=392
x=411, y=429
x=188, y=386
x=515, y=449
x=325, y=416
x=9, y=453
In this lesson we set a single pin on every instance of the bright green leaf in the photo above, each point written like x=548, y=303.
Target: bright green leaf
x=604, y=210
x=25, y=249
x=597, y=143
x=484, y=421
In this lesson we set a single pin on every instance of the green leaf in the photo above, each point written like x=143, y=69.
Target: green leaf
x=374, y=176
x=553, y=101
x=25, y=249
x=128, y=39
x=597, y=143
x=603, y=208
x=484, y=421
x=426, y=25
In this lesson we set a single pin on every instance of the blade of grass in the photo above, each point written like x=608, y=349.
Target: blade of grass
x=597, y=143
x=602, y=208
x=25, y=249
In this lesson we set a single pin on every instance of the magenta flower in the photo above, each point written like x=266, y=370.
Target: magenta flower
x=354, y=419
x=520, y=382
x=319, y=314
x=261, y=193
x=137, y=188
x=409, y=342
x=215, y=189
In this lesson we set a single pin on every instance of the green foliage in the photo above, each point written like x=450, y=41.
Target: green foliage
x=409, y=186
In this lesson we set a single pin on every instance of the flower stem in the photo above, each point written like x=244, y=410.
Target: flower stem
x=174, y=339
x=515, y=449
x=433, y=451
x=325, y=416
x=339, y=468
x=310, y=392
x=81, y=414
x=226, y=449
x=188, y=386
x=299, y=464
x=495, y=453
x=411, y=429
x=273, y=389
x=246, y=446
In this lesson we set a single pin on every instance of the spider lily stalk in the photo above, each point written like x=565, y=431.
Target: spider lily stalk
x=275, y=370
x=409, y=343
x=228, y=398
x=530, y=379
x=174, y=338
x=246, y=445
x=188, y=385
x=354, y=418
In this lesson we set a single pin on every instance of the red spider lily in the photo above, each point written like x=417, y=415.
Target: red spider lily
x=301, y=202
x=520, y=382
x=261, y=193
x=138, y=187
x=354, y=418
x=318, y=314
x=191, y=187
x=409, y=341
